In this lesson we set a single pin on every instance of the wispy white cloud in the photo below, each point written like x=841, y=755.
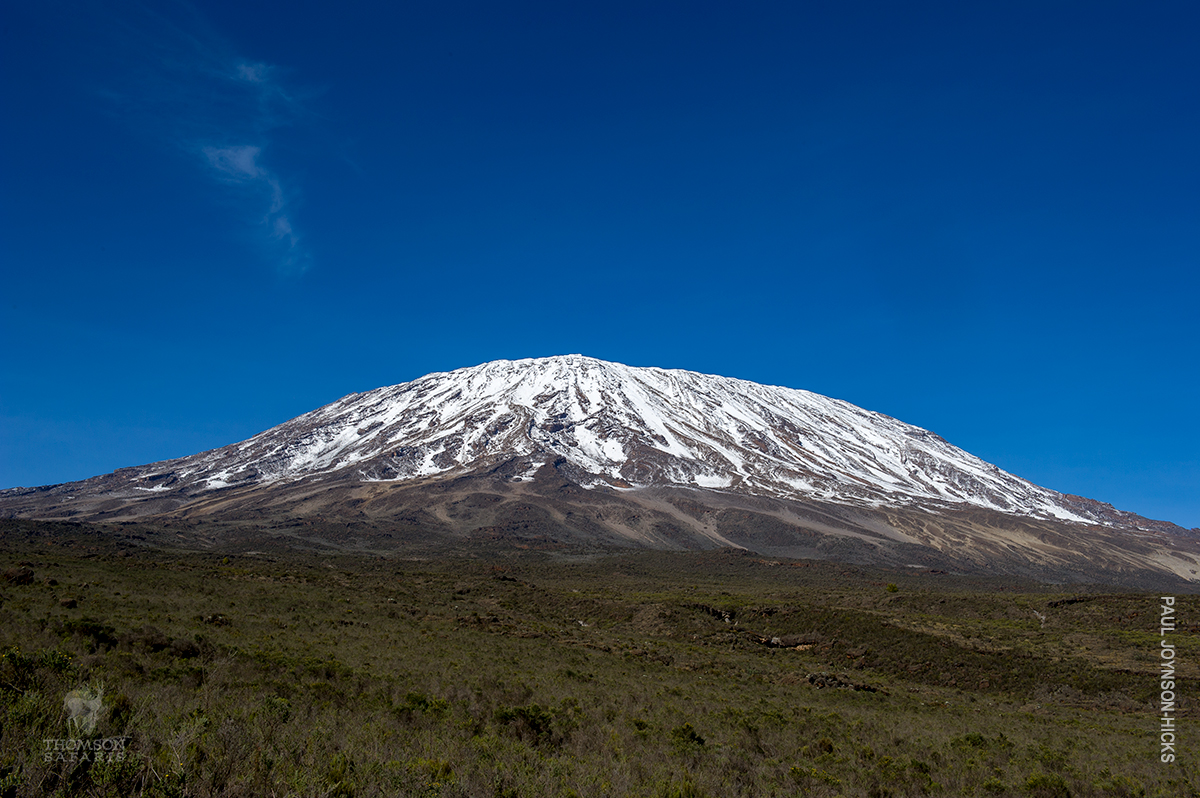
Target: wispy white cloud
x=254, y=73
x=239, y=164
x=188, y=89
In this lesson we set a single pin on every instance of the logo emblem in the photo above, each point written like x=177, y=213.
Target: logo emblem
x=83, y=708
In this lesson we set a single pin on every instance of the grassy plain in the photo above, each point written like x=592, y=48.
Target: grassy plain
x=574, y=674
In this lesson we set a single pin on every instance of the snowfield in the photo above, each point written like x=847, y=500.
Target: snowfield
x=625, y=427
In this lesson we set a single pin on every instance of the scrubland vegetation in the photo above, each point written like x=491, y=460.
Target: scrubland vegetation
x=537, y=674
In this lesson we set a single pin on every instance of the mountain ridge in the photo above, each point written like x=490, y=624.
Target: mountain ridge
x=618, y=435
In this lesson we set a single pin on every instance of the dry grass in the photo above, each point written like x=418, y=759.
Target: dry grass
x=651, y=675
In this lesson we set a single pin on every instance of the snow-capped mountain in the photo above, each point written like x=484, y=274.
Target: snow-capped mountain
x=610, y=429
x=620, y=427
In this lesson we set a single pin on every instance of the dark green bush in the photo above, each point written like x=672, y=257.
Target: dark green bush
x=1047, y=785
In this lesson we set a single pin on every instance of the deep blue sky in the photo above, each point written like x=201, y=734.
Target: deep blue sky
x=981, y=218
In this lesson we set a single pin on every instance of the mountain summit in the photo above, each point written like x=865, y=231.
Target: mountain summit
x=657, y=438
x=621, y=427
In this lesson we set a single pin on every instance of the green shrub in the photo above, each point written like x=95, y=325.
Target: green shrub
x=682, y=789
x=971, y=740
x=1047, y=785
x=532, y=723
x=685, y=738
x=802, y=774
x=417, y=702
x=1119, y=786
x=100, y=634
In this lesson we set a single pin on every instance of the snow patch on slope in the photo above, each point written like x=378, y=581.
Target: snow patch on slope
x=625, y=427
